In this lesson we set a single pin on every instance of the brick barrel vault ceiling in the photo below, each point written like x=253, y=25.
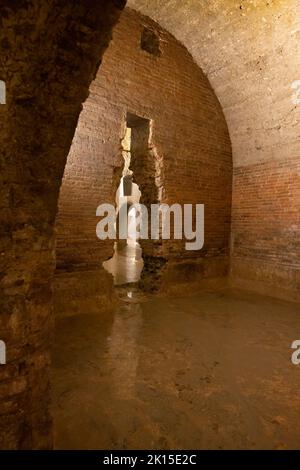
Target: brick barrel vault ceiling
x=250, y=51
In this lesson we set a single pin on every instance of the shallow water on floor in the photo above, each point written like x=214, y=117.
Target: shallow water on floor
x=212, y=370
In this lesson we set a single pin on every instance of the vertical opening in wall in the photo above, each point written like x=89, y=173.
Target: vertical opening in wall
x=127, y=263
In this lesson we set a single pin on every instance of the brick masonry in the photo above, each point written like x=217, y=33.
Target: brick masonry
x=266, y=227
x=189, y=141
x=50, y=53
x=250, y=52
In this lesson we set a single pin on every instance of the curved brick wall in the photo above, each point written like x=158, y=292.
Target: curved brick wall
x=49, y=55
x=189, y=137
x=250, y=51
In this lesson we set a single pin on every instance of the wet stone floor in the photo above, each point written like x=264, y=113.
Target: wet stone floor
x=208, y=371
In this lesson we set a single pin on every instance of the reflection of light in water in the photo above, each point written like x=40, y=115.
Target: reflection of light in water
x=123, y=351
x=126, y=266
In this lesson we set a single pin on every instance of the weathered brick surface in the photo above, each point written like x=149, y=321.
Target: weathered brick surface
x=266, y=227
x=49, y=53
x=250, y=51
x=189, y=142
